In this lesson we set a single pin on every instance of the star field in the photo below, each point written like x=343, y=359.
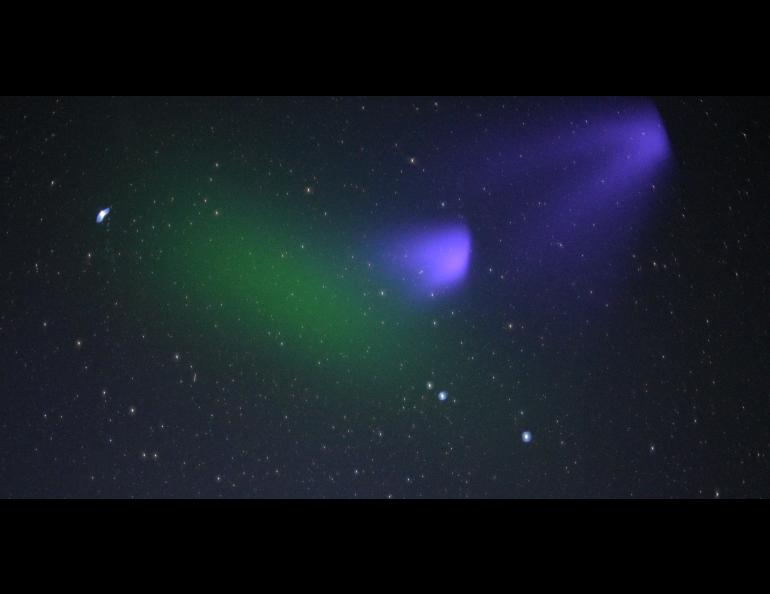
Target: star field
x=385, y=297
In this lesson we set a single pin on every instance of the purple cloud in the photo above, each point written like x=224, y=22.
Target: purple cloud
x=431, y=260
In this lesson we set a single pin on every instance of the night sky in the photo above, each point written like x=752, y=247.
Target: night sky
x=434, y=297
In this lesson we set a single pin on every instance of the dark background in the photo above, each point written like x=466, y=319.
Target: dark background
x=667, y=397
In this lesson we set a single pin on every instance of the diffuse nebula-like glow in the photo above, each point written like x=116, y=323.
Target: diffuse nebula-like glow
x=626, y=151
x=430, y=260
x=248, y=280
x=591, y=152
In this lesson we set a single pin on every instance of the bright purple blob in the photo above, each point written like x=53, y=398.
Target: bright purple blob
x=430, y=261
